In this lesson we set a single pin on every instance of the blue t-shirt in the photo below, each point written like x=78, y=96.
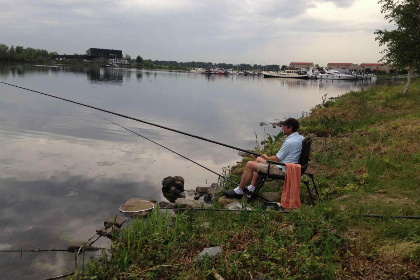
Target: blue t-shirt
x=290, y=151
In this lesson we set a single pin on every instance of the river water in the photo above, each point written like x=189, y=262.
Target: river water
x=64, y=170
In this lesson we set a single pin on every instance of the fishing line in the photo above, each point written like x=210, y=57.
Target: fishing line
x=208, y=169
x=135, y=119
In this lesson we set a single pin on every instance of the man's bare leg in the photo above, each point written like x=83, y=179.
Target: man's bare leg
x=256, y=176
x=250, y=172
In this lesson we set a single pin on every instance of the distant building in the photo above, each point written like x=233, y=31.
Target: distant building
x=94, y=54
x=78, y=57
x=347, y=66
x=374, y=67
x=298, y=65
x=104, y=53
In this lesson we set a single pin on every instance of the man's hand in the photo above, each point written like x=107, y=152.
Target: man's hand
x=264, y=156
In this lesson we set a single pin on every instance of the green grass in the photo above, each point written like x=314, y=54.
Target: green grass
x=272, y=244
x=365, y=157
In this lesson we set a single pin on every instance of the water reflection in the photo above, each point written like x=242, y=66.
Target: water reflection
x=106, y=75
x=58, y=212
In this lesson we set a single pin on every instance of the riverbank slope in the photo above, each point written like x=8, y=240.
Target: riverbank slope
x=365, y=157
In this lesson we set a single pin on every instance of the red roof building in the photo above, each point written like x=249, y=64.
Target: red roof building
x=348, y=66
x=374, y=67
x=298, y=65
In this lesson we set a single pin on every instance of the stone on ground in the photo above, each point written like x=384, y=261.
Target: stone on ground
x=271, y=196
x=211, y=252
x=188, y=203
x=224, y=200
x=202, y=189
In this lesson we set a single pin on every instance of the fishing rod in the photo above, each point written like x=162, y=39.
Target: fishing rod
x=70, y=249
x=208, y=169
x=392, y=217
x=135, y=119
x=283, y=211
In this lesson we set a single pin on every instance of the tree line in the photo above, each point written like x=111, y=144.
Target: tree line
x=22, y=54
x=173, y=64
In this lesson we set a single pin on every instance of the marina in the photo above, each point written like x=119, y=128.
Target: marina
x=302, y=73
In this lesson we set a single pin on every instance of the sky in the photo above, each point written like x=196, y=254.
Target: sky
x=255, y=32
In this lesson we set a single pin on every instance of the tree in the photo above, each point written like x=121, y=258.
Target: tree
x=402, y=44
x=283, y=67
x=3, y=51
x=139, y=59
x=128, y=58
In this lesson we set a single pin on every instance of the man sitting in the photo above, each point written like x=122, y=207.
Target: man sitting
x=288, y=153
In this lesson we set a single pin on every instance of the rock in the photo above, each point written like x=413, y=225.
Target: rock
x=172, y=187
x=163, y=204
x=197, y=196
x=188, y=203
x=167, y=205
x=224, y=200
x=208, y=198
x=213, y=191
x=165, y=214
x=110, y=232
x=171, y=206
x=118, y=222
x=271, y=196
x=211, y=252
x=189, y=194
x=236, y=206
x=202, y=189
x=233, y=206
x=381, y=192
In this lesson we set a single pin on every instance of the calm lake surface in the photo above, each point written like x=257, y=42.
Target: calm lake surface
x=64, y=170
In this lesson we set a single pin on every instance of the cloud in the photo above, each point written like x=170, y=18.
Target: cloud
x=228, y=31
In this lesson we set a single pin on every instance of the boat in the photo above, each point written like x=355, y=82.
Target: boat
x=293, y=74
x=337, y=75
x=197, y=70
x=313, y=74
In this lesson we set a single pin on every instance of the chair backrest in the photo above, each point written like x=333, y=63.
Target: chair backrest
x=304, y=154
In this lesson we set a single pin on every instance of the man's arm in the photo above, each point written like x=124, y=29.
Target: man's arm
x=272, y=158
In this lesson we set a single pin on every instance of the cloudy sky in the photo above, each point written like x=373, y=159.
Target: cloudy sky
x=244, y=31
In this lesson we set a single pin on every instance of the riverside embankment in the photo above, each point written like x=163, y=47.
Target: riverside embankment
x=365, y=158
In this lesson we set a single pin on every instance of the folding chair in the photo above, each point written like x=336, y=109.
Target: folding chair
x=303, y=161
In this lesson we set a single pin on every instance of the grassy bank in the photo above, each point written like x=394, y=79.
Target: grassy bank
x=365, y=159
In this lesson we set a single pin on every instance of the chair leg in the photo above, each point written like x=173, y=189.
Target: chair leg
x=258, y=187
x=309, y=191
x=315, y=187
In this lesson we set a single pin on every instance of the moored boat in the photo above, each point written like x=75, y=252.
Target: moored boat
x=197, y=70
x=293, y=74
x=337, y=75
